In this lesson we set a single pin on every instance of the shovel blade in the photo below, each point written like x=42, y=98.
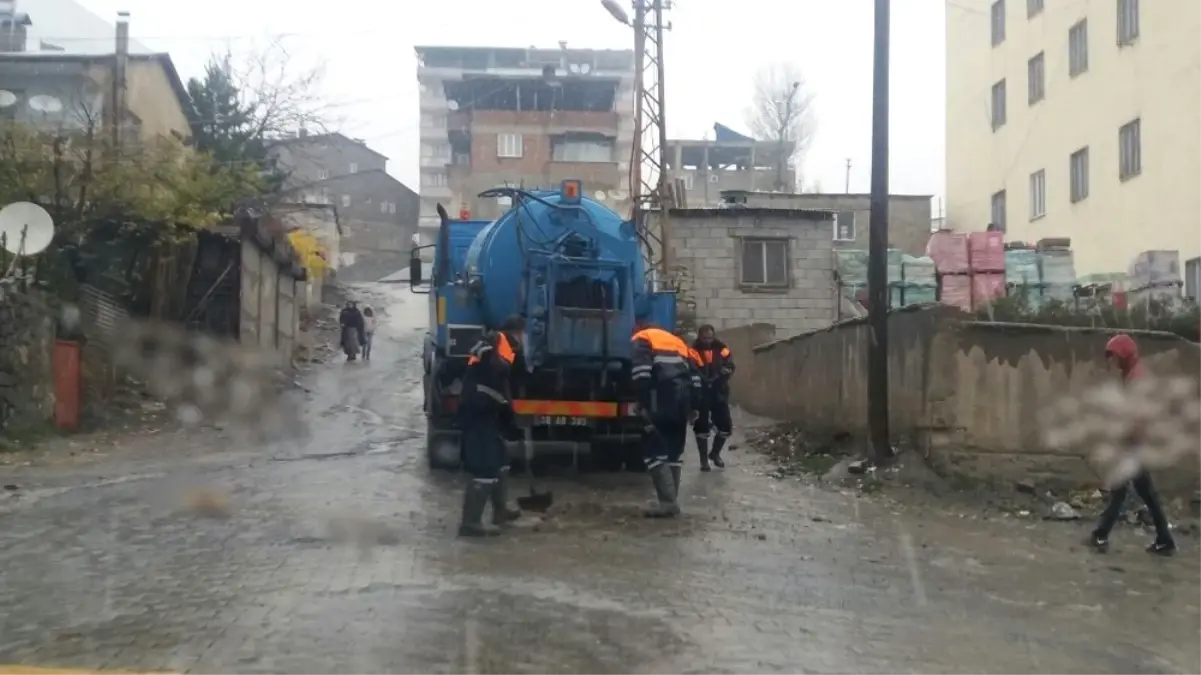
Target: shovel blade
x=538, y=502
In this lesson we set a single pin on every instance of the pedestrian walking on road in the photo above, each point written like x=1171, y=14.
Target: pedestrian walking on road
x=716, y=365
x=1121, y=351
x=351, y=321
x=486, y=409
x=668, y=389
x=369, y=324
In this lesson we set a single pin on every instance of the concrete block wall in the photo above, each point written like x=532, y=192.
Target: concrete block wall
x=707, y=244
x=969, y=395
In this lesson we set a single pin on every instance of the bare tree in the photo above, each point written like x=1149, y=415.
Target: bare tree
x=781, y=112
x=245, y=101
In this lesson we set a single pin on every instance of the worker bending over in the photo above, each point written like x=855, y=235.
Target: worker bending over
x=668, y=387
x=486, y=409
x=716, y=365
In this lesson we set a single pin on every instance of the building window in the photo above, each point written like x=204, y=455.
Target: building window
x=509, y=145
x=1033, y=8
x=582, y=151
x=345, y=201
x=433, y=179
x=998, y=105
x=1078, y=48
x=383, y=207
x=688, y=181
x=1130, y=150
x=1127, y=21
x=1038, y=194
x=1078, y=169
x=354, y=167
x=844, y=226
x=998, y=22
x=322, y=174
x=998, y=210
x=391, y=208
x=1036, y=82
x=765, y=262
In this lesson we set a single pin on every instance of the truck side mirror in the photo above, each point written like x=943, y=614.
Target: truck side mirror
x=414, y=269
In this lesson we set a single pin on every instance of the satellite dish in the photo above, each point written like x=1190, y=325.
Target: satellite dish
x=453, y=105
x=618, y=194
x=31, y=219
x=46, y=104
x=7, y=98
x=585, y=68
x=600, y=195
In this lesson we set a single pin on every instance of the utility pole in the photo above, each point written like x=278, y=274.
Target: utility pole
x=650, y=184
x=877, y=266
x=120, y=78
x=848, y=188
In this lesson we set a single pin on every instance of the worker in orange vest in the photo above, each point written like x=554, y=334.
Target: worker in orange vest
x=668, y=388
x=716, y=366
x=486, y=409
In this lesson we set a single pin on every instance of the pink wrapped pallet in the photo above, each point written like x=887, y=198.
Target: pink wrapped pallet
x=987, y=288
x=986, y=251
x=956, y=290
x=949, y=252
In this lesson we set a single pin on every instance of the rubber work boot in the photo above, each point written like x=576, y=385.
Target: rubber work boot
x=501, y=513
x=676, y=471
x=715, y=453
x=475, y=499
x=702, y=449
x=665, y=491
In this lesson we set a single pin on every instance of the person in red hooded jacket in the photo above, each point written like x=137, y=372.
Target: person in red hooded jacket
x=1122, y=351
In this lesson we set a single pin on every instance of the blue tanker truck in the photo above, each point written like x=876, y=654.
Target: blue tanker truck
x=576, y=272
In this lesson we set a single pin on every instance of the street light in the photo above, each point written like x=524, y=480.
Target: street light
x=616, y=11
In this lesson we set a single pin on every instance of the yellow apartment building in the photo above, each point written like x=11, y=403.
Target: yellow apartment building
x=1077, y=118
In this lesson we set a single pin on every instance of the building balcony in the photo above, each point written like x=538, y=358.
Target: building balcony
x=434, y=161
x=437, y=131
x=436, y=192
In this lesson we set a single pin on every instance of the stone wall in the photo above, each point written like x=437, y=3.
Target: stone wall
x=968, y=394
x=26, y=374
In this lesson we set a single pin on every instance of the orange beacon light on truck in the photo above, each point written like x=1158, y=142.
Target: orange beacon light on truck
x=571, y=191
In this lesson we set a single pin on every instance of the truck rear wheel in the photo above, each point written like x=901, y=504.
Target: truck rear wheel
x=441, y=447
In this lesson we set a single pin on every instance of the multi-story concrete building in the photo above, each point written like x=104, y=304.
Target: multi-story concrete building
x=377, y=212
x=731, y=161
x=1076, y=119
x=524, y=117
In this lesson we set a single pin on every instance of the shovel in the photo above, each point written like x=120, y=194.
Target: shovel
x=538, y=501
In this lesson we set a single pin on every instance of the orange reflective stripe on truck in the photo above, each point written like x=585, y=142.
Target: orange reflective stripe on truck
x=566, y=408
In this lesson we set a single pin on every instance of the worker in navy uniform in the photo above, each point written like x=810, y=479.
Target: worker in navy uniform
x=716, y=364
x=668, y=387
x=486, y=411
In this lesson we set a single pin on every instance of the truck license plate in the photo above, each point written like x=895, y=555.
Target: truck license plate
x=560, y=421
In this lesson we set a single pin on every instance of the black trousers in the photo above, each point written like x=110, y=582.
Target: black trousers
x=666, y=444
x=714, y=412
x=483, y=448
x=1146, y=491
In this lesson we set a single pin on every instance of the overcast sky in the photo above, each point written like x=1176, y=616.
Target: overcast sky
x=713, y=51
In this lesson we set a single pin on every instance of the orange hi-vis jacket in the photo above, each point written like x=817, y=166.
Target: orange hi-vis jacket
x=662, y=363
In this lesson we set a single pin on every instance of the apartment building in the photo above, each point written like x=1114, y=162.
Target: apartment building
x=377, y=211
x=1077, y=119
x=730, y=161
x=523, y=117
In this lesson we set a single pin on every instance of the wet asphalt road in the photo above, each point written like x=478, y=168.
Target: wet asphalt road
x=339, y=555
